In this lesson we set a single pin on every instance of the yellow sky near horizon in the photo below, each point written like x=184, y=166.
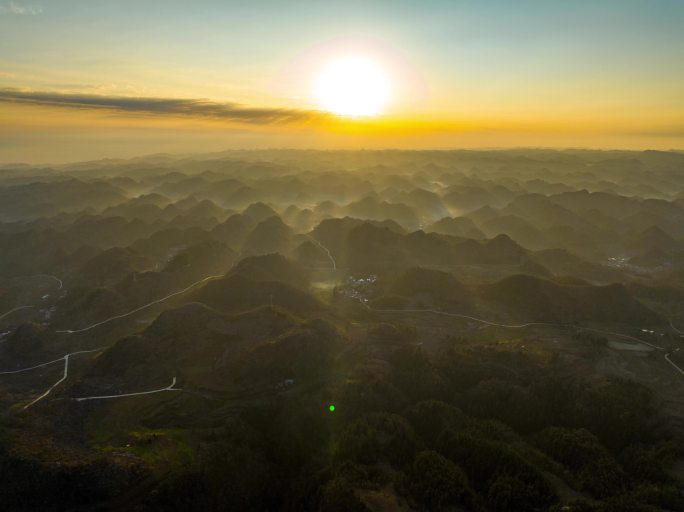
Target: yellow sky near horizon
x=91, y=135
x=97, y=79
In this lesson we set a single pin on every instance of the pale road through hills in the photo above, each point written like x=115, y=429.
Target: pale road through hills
x=59, y=282
x=64, y=377
x=149, y=304
x=518, y=326
x=50, y=276
x=170, y=387
x=328, y=253
x=13, y=310
x=675, y=328
x=41, y=365
x=65, y=358
x=141, y=308
x=667, y=358
x=509, y=326
x=530, y=324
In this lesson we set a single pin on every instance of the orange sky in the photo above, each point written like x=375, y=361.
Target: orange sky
x=100, y=80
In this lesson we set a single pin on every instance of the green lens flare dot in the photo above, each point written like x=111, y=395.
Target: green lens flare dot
x=331, y=408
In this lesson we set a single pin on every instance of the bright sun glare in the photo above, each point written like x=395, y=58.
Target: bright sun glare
x=354, y=87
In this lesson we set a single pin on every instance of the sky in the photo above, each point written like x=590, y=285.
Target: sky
x=93, y=78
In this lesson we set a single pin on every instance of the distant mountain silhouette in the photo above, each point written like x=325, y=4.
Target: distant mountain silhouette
x=112, y=265
x=272, y=267
x=270, y=235
x=236, y=293
x=259, y=212
x=434, y=285
x=456, y=226
x=654, y=238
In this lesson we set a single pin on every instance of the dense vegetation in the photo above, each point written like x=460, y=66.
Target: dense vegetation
x=422, y=331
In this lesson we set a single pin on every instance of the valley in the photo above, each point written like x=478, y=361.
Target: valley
x=501, y=316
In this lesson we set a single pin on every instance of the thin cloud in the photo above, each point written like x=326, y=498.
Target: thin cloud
x=20, y=9
x=172, y=107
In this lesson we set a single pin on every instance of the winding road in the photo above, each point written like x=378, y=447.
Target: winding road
x=531, y=324
x=64, y=377
x=667, y=358
x=171, y=387
x=519, y=326
x=141, y=308
x=513, y=326
x=107, y=397
x=41, y=365
x=150, y=304
x=327, y=251
x=59, y=281
x=13, y=310
x=66, y=357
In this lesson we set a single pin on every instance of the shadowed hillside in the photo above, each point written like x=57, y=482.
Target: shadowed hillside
x=481, y=331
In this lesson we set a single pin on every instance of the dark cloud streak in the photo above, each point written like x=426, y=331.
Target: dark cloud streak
x=172, y=107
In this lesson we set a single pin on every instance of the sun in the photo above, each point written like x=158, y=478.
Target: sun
x=353, y=87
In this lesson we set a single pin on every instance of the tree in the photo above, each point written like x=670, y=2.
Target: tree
x=432, y=417
x=435, y=483
x=377, y=437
